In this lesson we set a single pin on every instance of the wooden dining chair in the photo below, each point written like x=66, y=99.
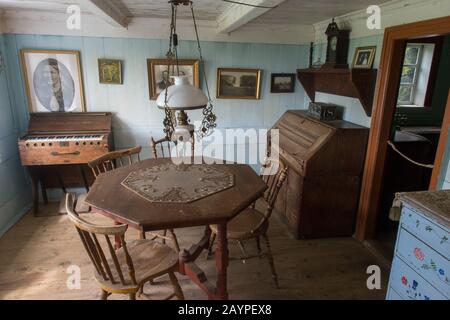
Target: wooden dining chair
x=108, y=161
x=115, y=159
x=252, y=223
x=163, y=148
x=126, y=270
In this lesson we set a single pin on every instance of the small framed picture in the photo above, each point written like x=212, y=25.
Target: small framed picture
x=282, y=83
x=364, y=57
x=53, y=80
x=110, y=71
x=159, y=77
x=233, y=83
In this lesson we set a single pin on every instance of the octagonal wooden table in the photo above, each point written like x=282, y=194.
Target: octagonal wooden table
x=110, y=198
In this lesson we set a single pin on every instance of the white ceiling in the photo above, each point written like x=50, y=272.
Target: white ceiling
x=301, y=12
x=312, y=11
x=204, y=9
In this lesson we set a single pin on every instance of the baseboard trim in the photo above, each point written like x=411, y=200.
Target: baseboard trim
x=15, y=219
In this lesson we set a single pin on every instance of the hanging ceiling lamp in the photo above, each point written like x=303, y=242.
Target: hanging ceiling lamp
x=182, y=96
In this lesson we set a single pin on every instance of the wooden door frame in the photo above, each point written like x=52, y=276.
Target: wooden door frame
x=440, y=153
x=383, y=112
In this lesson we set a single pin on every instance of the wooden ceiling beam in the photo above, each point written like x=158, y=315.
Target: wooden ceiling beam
x=238, y=15
x=106, y=11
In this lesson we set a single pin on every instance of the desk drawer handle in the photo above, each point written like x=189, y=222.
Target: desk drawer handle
x=56, y=154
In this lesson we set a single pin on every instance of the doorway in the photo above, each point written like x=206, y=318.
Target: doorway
x=385, y=120
x=416, y=129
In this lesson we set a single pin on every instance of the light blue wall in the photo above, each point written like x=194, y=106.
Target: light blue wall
x=136, y=117
x=15, y=195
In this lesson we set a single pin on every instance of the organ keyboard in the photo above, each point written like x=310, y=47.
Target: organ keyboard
x=55, y=142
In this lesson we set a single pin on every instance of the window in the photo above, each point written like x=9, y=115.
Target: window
x=419, y=71
x=410, y=72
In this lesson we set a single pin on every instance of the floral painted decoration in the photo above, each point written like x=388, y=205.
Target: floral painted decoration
x=418, y=253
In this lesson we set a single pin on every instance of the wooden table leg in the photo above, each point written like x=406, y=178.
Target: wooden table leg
x=222, y=261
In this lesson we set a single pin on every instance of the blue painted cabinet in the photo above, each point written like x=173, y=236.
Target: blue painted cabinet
x=421, y=268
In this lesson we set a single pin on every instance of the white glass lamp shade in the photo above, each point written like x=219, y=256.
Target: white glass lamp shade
x=182, y=96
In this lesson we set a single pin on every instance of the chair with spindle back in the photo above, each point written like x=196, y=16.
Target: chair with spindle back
x=107, y=162
x=163, y=148
x=252, y=223
x=126, y=270
x=115, y=159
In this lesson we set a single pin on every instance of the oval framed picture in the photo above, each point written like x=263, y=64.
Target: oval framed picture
x=53, y=80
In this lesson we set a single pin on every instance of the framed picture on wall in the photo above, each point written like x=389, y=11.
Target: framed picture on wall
x=282, y=83
x=233, y=83
x=110, y=71
x=53, y=80
x=364, y=57
x=159, y=77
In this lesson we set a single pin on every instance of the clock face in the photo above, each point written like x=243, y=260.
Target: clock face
x=333, y=43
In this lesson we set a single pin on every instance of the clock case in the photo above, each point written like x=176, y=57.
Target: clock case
x=339, y=59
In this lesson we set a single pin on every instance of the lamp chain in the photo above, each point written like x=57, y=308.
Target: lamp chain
x=209, y=118
x=168, y=120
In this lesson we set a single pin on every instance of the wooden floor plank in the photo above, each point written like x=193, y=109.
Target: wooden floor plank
x=37, y=251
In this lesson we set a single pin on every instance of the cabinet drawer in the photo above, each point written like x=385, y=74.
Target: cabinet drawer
x=424, y=260
x=409, y=285
x=425, y=230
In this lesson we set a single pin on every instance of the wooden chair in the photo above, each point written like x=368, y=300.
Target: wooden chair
x=163, y=148
x=253, y=224
x=115, y=159
x=107, y=162
x=126, y=270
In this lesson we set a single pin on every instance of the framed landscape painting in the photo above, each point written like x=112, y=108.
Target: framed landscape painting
x=53, y=80
x=159, y=77
x=282, y=83
x=235, y=83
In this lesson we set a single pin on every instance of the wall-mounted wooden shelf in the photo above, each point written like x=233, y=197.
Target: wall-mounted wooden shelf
x=355, y=83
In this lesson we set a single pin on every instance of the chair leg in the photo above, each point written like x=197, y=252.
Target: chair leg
x=258, y=246
x=164, y=234
x=271, y=263
x=175, y=240
x=244, y=252
x=211, y=244
x=133, y=296
x=104, y=295
x=176, y=286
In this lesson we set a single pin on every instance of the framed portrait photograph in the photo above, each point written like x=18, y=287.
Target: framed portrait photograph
x=282, y=83
x=53, y=80
x=159, y=77
x=110, y=71
x=364, y=57
x=235, y=83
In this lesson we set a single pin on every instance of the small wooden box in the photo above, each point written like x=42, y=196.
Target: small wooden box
x=323, y=111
